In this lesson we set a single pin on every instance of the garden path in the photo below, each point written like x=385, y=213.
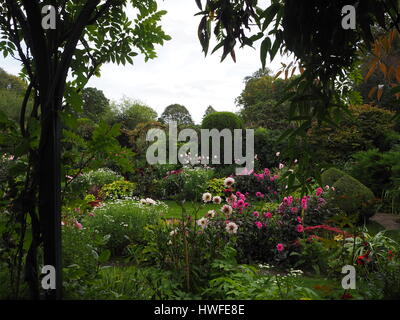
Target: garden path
x=387, y=220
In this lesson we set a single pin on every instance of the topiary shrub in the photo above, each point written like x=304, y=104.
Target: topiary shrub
x=354, y=198
x=222, y=120
x=330, y=176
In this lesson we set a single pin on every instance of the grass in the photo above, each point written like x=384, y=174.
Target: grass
x=175, y=211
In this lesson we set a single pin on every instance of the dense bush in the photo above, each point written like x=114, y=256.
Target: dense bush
x=354, y=198
x=185, y=184
x=266, y=147
x=222, y=120
x=123, y=221
x=330, y=176
x=377, y=170
x=258, y=186
x=117, y=190
x=81, y=247
x=216, y=186
x=94, y=180
x=368, y=127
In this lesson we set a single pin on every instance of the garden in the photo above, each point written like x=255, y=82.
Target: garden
x=316, y=218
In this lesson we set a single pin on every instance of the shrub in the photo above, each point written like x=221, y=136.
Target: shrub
x=94, y=180
x=354, y=198
x=117, y=190
x=186, y=184
x=124, y=222
x=222, y=120
x=377, y=170
x=330, y=176
x=262, y=186
x=216, y=186
x=368, y=127
x=81, y=247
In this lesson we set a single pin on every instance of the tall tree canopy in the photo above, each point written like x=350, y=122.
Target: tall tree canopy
x=95, y=103
x=129, y=113
x=87, y=34
x=177, y=113
x=208, y=111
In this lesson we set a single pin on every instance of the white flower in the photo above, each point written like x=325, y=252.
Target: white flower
x=278, y=154
x=333, y=188
x=207, y=197
x=151, y=201
x=203, y=222
x=143, y=201
x=231, y=227
x=228, y=182
x=169, y=242
x=327, y=187
x=227, y=210
x=295, y=160
x=281, y=166
x=217, y=200
x=211, y=214
x=173, y=233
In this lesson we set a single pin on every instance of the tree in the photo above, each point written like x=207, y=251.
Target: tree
x=12, y=91
x=84, y=39
x=177, y=113
x=258, y=102
x=131, y=112
x=208, y=111
x=95, y=104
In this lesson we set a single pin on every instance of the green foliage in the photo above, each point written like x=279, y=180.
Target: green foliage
x=94, y=180
x=377, y=170
x=266, y=146
x=130, y=113
x=222, y=120
x=216, y=187
x=258, y=103
x=186, y=185
x=100, y=150
x=95, y=104
x=82, y=248
x=118, y=190
x=354, y=198
x=127, y=283
x=123, y=221
x=208, y=111
x=330, y=176
x=176, y=113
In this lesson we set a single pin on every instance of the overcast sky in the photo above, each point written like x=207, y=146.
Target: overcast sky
x=181, y=74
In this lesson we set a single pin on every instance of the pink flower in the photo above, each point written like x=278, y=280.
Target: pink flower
x=78, y=225
x=259, y=195
x=279, y=247
x=299, y=228
x=268, y=215
x=91, y=214
x=256, y=214
x=240, y=203
x=267, y=172
x=259, y=225
x=304, y=203
x=299, y=220
x=294, y=210
x=246, y=205
x=319, y=191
